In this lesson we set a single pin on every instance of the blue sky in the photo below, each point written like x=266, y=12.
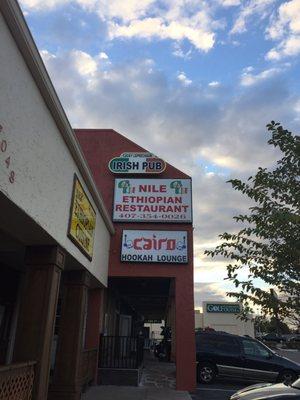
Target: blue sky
x=193, y=81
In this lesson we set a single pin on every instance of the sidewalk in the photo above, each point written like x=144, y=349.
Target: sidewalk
x=133, y=393
x=157, y=383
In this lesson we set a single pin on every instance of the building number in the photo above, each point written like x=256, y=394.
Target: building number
x=7, y=161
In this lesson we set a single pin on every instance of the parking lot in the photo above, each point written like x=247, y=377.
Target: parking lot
x=221, y=390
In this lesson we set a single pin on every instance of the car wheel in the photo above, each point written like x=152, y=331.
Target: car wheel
x=206, y=373
x=287, y=376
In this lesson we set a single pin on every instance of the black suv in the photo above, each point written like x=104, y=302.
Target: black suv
x=241, y=357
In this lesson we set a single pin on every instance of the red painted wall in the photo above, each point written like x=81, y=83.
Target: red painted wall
x=99, y=147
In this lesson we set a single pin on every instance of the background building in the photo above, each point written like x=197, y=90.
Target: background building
x=223, y=316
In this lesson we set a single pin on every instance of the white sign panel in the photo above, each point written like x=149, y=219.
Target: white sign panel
x=155, y=200
x=154, y=247
x=137, y=163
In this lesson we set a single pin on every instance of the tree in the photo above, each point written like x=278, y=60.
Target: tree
x=268, y=245
x=263, y=325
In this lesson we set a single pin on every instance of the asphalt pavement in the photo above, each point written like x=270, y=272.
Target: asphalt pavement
x=221, y=390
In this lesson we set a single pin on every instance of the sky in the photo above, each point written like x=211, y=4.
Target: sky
x=193, y=81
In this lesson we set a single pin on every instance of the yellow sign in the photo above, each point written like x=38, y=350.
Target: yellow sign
x=82, y=220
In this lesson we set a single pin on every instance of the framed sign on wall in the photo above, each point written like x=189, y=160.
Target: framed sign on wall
x=153, y=200
x=82, y=221
x=223, y=308
x=137, y=163
x=150, y=246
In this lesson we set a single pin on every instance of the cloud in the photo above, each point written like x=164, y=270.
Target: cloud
x=230, y=3
x=178, y=21
x=42, y=4
x=183, y=79
x=103, y=56
x=284, y=27
x=214, y=84
x=248, y=79
x=258, y=9
x=206, y=133
x=191, y=29
x=288, y=47
x=203, y=124
x=210, y=291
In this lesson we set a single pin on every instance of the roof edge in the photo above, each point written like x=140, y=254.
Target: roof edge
x=95, y=130
x=18, y=27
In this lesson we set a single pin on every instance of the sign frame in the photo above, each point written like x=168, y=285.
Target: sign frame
x=156, y=221
x=219, y=305
x=139, y=156
x=69, y=234
x=156, y=262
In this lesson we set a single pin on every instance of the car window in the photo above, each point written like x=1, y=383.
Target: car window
x=227, y=346
x=217, y=344
x=252, y=348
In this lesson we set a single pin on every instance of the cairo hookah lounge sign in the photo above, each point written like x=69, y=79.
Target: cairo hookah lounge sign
x=149, y=246
x=137, y=163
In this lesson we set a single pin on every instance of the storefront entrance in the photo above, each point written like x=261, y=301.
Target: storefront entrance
x=134, y=305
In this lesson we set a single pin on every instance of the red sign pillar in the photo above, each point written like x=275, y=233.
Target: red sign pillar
x=185, y=333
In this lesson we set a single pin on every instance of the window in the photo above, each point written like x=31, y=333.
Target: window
x=217, y=344
x=255, y=349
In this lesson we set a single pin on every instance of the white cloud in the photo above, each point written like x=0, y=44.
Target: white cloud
x=248, y=69
x=126, y=10
x=230, y=3
x=284, y=27
x=84, y=63
x=103, y=56
x=178, y=20
x=156, y=27
x=287, y=18
x=214, y=84
x=183, y=79
x=287, y=48
x=179, y=52
x=259, y=9
x=248, y=79
x=39, y=4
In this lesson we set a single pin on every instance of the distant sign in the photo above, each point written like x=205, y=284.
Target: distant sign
x=137, y=163
x=154, y=246
x=82, y=220
x=223, y=308
x=155, y=200
x=153, y=321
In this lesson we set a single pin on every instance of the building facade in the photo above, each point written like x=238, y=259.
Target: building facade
x=54, y=232
x=151, y=253
x=68, y=273
x=223, y=316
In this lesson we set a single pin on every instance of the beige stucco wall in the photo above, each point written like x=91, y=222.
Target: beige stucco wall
x=226, y=322
x=39, y=157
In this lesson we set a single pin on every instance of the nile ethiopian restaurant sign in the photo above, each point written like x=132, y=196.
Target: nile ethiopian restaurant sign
x=82, y=220
x=154, y=246
x=137, y=163
x=155, y=200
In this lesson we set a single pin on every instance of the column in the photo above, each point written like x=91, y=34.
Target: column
x=185, y=333
x=66, y=383
x=173, y=329
x=37, y=312
x=92, y=334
